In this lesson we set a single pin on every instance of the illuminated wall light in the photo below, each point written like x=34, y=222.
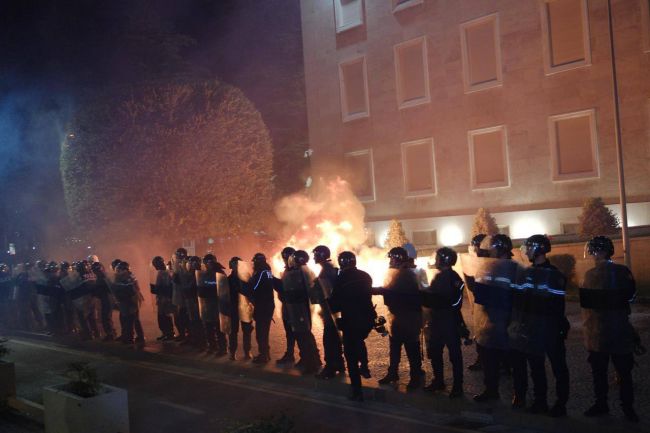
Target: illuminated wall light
x=451, y=235
x=525, y=227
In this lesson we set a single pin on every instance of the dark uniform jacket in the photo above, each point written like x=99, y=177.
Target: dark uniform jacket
x=605, y=299
x=259, y=290
x=538, y=318
x=445, y=299
x=352, y=297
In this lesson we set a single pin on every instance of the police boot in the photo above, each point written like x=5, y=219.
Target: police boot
x=558, y=410
x=389, y=378
x=287, y=358
x=630, y=414
x=414, y=383
x=538, y=406
x=356, y=394
x=486, y=396
x=435, y=385
x=598, y=409
x=456, y=391
x=365, y=372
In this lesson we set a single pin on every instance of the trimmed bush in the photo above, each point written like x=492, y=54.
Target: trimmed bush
x=170, y=161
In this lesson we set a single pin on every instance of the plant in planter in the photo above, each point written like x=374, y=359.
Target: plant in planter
x=7, y=373
x=84, y=404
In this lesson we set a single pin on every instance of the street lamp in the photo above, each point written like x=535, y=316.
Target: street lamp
x=619, y=145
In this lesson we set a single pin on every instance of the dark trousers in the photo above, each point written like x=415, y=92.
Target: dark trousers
x=288, y=332
x=106, y=313
x=88, y=324
x=182, y=321
x=363, y=356
x=247, y=330
x=623, y=365
x=165, y=324
x=491, y=359
x=332, y=348
x=521, y=361
x=131, y=324
x=436, y=347
x=412, y=346
x=309, y=353
x=353, y=348
x=263, y=328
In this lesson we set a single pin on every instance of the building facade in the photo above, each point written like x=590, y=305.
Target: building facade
x=434, y=108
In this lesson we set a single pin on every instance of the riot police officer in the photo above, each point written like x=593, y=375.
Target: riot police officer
x=161, y=288
x=352, y=297
x=492, y=288
x=608, y=289
x=402, y=296
x=324, y=284
x=288, y=357
x=104, y=297
x=297, y=288
x=538, y=327
x=259, y=290
x=242, y=312
x=209, y=302
x=129, y=298
x=445, y=299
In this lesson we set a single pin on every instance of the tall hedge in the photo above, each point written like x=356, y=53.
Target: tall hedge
x=168, y=160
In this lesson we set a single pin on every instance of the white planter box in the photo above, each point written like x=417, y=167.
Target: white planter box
x=7, y=380
x=107, y=412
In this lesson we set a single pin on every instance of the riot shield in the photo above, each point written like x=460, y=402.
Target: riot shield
x=296, y=300
x=245, y=309
x=225, y=304
x=491, y=281
x=153, y=280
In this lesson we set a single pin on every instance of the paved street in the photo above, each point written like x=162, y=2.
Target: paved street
x=174, y=389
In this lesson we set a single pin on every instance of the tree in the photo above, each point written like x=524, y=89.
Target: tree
x=596, y=219
x=168, y=160
x=484, y=223
x=396, y=236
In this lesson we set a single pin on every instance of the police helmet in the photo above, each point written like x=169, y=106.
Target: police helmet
x=536, y=245
x=300, y=257
x=599, y=244
x=97, y=267
x=80, y=267
x=4, y=267
x=41, y=264
x=194, y=263
x=114, y=263
x=181, y=253
x=475, y=245
x=287, y=252
x=501, y=244
x=398, y=256
x=209, y=258
x=158, y=263
x=259, y=258
x=347, y=259
x=122, y=266
x=445, y=257
x=52, y=267
x=65, y=266
x=232, y=263
x=321, y=254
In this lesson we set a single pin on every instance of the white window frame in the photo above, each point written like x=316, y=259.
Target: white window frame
x=469, y=87
x=546, y=43
x=405, y=4
x=345, y=115
x=373, y=197
x=354, y=25
x=425, y=65
x=645, y=25
x=506, y=163
x=552, y=133
x=426, y=192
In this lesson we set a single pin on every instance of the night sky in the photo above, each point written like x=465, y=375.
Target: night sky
x=55, y=53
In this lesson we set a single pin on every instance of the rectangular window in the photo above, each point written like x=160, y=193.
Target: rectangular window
x=354, y=89
x=565, y=28
x=480, y=42
x=645, y=24
x=574, y=145
x=360, y=171
x=399, y=5
x=425, y=238
x=412, y=73
x=489, y=158
x=348, y=14
x=569, y=228
x=418, y=166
